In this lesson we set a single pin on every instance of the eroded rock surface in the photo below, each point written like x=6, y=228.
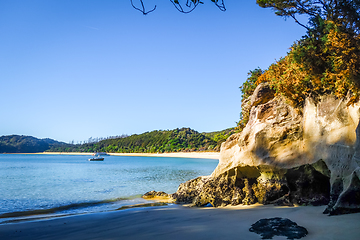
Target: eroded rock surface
x=307, y=184
x=153, y=194
x=277, y=157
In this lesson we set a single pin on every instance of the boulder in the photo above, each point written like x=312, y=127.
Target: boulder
x=270, y=227
x=154, y=194
x=259, y=184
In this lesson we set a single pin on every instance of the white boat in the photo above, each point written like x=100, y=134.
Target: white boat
x=96, y=158
x=100, y=154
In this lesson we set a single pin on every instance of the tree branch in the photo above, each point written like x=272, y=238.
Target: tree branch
x=221, y=6
x=305, y=10
x=188, y=4
x=293, y=17
x=143, y=7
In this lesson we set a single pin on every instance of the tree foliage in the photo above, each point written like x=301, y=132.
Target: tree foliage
x=326, y=60
x=343, y=13
x=249, y=86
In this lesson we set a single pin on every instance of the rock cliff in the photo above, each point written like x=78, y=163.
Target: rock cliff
x=286, y=155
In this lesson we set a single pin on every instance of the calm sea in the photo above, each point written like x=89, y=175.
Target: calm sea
x=37, y=186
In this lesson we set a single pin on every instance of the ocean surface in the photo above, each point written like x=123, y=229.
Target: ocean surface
x=42, y=186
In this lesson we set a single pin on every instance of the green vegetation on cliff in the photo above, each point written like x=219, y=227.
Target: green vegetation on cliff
x=177, y=140
x=325, y=61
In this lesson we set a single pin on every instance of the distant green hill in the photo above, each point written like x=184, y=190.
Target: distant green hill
x=26, y=144
x=177, y=140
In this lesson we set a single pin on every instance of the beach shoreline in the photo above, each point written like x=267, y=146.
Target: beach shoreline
x=204, y=155
x=207, y=155
x=180, y=222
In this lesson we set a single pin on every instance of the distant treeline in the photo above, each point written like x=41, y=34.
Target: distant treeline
x=26, y=144
x=97, y=139
x=177, y=140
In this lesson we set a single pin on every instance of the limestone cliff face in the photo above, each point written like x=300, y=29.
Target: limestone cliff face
x=279, y=135
x=285, y=139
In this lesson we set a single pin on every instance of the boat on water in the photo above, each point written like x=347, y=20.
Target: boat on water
x=96, y=158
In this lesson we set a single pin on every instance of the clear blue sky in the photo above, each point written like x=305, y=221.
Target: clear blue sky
x=74, y=69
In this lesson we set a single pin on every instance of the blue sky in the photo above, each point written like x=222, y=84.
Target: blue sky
x=74, y=69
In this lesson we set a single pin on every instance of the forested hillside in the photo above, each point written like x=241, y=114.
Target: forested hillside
x=26, y=144
x=177, y=140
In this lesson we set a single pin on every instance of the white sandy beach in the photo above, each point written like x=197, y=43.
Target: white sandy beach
x=179, y=222
x=207, y=155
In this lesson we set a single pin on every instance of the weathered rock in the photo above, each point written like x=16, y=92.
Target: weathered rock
x=279, y=135
x=309, y=184
x=289, y=141
x=154, y=194
x=270, y=227
x=262, y=94
x=258, y=184
x=345, y=199
x=189, y=190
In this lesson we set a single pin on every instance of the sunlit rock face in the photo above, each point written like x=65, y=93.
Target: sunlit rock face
x=265, y=184
x=285, y=139
x=279, y=135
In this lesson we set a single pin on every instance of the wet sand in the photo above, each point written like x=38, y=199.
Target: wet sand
x=179, y=222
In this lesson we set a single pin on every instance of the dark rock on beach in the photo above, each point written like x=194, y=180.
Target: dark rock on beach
x=270, y=227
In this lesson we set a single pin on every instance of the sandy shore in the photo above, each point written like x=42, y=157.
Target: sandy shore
x=178, y=222
x=207, y=155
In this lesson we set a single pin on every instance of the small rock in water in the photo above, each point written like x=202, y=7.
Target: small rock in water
x=153, y=194
x=270, y=227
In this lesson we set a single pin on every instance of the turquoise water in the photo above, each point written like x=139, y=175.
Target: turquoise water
x=62, y=184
